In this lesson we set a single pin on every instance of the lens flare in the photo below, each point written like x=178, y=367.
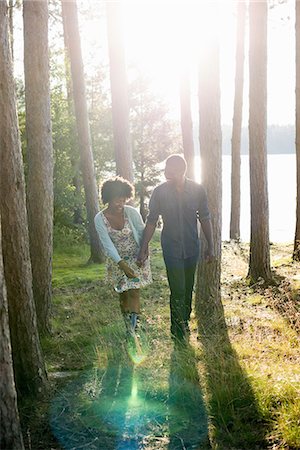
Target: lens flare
x=128, y=407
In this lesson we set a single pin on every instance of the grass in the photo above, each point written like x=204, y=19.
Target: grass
x=70, y=268
x=267, y=345
x=237, y=389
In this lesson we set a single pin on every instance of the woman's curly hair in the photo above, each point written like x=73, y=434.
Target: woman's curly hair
x=115, y=188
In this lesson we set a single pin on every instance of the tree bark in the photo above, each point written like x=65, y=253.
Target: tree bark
x=187, y=123
x=208, y=293
x=77, y=216
x=11, y=26
x=10, y=430
x=39, y=155
x=259, y=264
x=70, y=17
x=237, y=124
x=296, y=254
x=119, y=92
x=29, y=369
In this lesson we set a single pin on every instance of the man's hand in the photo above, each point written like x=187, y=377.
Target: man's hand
x=142, y=256
x=144, y=249
x=209, y=255
x=129, y=272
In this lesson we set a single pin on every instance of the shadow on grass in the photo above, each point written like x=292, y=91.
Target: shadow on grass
x=235, y=419
x=188, y=425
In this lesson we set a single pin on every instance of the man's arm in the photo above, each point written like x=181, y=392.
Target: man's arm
x=207, y=230
x=154, y=211
x=144, y=249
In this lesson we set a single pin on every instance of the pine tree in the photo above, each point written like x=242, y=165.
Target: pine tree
x=29, y=368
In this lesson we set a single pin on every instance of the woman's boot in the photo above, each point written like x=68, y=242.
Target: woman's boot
x=128, y=325
x=134, y=320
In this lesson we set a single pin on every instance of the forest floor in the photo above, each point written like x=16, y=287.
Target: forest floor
x=236, y=389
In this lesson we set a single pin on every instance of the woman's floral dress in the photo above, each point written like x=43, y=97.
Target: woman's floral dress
x=128, y=249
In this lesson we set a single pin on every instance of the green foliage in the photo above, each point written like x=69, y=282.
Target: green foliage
x=67, y=239
x=100, y=123
x=68, y=192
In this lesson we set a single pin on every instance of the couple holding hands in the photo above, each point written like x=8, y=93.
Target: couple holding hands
x=180, y=202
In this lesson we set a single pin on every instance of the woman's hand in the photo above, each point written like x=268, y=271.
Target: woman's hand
x=129, y=272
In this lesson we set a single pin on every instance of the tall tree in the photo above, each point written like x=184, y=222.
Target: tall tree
x=39, y=155
x=259, y=263
x=296, y=255
x=154, y=137
x=187, y=123
x=29, y=369
x=208, y=295
x=71, y=29
x=10, y=430
x=119, y=91
x=237, y=123
x=73, y=132
x=11, y=26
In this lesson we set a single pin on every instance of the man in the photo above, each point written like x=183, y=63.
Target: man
x=180, y=202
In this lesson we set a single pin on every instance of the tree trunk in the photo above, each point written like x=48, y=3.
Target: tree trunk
x=11, y=26
x=69, y=11
x=10, y=430
x=187, y=123
x=39, y=155
x=259, y=264
x=30, y=375
x=77, y=216
x=119, y=92
x=208, y=294
x=237, y=124
x=296, y=255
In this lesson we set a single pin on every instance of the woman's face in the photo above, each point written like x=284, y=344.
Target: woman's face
x=117, y=204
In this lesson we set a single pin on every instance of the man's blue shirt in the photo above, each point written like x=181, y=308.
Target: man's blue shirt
x=180, y=212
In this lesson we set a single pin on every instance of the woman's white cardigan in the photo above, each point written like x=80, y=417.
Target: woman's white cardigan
x=136, y=223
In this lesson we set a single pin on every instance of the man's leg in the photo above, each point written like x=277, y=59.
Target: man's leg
x=176, y=279
x=190, y=265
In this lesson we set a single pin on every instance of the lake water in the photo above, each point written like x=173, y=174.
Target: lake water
x=282, y=197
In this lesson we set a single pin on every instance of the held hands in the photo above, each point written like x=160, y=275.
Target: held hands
x=142, y=256
x=129, y=272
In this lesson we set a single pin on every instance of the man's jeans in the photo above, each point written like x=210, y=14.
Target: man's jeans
x=181, y=275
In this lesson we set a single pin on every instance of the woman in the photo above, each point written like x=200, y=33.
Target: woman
x=120, y=229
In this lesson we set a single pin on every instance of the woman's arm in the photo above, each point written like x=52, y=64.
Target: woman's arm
x=136, y=222
x=105, y=240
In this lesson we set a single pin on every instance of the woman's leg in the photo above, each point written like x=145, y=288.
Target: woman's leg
x=130, y=308
x=134, y=301
x=134, y=305
x=125, y=310
x=124, y=302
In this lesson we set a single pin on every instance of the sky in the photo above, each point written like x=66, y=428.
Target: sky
x=160, y=36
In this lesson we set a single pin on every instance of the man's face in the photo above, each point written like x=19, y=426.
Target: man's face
x=173, y=173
